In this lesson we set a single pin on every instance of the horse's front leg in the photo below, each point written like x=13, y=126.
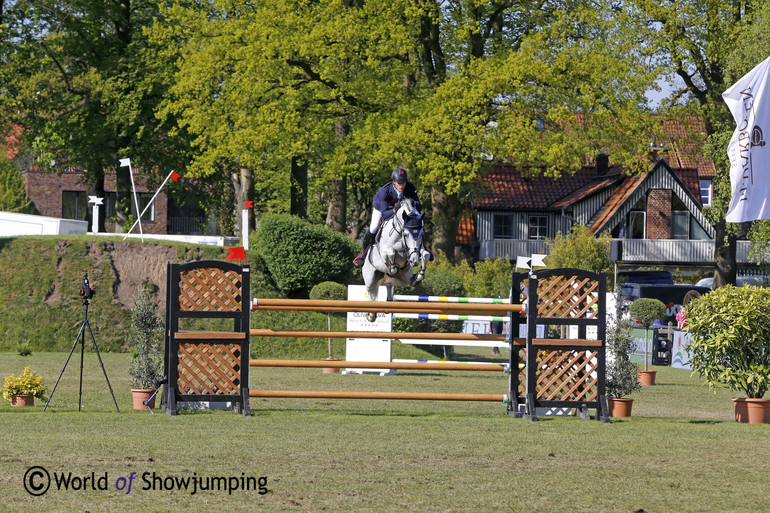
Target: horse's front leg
x=390, y=261
x=424, y=258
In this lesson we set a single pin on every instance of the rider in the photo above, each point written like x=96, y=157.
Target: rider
x=386, y=202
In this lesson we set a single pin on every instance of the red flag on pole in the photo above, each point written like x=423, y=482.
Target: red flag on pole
x=175, y=175
x=236, y=253
x=249, y=204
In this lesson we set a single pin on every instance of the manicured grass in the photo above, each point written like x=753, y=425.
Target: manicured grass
x=681, y=450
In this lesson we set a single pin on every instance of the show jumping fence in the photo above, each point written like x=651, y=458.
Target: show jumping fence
x=211, y=365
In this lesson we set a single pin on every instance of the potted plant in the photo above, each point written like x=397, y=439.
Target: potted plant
x=646, y=311
x=146, y=344
x=622, y=378
x=21, y=390
x=730, y=345
x=329, y=290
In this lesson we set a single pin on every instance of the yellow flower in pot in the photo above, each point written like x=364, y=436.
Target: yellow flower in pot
x=21, y=390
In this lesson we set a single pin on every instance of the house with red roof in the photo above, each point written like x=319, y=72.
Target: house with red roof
x=657, y=214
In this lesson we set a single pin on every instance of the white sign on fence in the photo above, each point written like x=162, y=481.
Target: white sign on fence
x=368, y=349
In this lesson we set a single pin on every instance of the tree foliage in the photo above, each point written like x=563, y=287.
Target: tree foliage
x=579, y=249
x=13, y=197
x=298, y=255
x=730, y=338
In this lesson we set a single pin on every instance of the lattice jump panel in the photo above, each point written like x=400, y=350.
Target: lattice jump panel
x=567, y=297
x=211, y=369
x=567, y=375
x=210, y=289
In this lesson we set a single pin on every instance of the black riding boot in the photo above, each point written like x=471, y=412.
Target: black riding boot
x=368, y=239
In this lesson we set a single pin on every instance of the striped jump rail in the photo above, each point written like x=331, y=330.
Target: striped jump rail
x=450, y=317
x=266, y=332
x=326, y=305
x=450, y=299
x=415, y=396
x=411, y=365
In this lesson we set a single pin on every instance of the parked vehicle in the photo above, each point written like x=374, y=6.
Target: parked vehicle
x=673, y=296
x=740, y=281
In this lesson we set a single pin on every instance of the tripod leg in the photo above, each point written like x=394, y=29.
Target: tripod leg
x=102, y=364
x=82, y=327
x=82, y=351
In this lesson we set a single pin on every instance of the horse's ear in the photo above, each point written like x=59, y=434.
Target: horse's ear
x=404, y=215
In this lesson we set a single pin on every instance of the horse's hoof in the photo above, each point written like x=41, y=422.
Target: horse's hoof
x=371, y=316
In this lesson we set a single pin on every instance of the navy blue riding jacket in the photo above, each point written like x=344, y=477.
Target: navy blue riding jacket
x=386, y=198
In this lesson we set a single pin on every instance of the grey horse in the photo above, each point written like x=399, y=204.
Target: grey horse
x=398, y=249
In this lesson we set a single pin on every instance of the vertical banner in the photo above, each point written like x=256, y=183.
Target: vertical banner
x=748, y=101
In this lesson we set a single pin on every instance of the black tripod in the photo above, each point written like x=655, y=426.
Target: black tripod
x=86, y=292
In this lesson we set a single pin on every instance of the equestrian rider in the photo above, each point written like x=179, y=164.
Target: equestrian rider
x=386, y=202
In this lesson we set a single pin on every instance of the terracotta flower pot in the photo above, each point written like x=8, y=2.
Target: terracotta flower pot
x=23, y=400
x=331, y=370
x=646, y=377
x=752, y=411
x=141, y=395
x=620, y=406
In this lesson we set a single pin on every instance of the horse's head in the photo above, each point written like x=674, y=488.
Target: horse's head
x=412, y=229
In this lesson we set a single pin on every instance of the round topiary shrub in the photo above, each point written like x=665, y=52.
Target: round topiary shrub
x=330, y=290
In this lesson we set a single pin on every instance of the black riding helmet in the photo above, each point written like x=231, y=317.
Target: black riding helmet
x=399, y=175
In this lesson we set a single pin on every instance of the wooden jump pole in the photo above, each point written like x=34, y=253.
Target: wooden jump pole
x=377, y=334
x=325, y=305
x=379, y=365
x=419, y=396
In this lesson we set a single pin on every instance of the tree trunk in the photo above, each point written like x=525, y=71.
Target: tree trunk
x=299, y=187
x=338, y=203
x=123, y=196
x=446, y=210
x=242, y=186
x=336, y=215
x=725, y=252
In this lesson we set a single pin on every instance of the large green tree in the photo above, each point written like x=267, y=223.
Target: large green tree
x=705, y=45
x=81, y=80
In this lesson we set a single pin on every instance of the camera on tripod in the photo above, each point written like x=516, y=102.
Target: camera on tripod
x=86, y=292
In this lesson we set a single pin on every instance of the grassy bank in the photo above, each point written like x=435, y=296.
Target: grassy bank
x=40, y=280
x=681, y=451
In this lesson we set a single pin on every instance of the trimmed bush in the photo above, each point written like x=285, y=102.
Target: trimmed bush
x=297, y=255
x=329, y=290
x=730, y=338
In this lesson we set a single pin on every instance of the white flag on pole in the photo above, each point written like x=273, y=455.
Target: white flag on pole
x=749, y=102
x=538, y=260
x=125, y=162
x=522, y=262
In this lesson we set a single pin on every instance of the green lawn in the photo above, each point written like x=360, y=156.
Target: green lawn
x=681, y=450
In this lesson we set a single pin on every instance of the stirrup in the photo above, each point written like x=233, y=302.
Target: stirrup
x=359, y=260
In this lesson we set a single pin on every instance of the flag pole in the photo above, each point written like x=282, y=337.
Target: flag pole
x=127, y=162
x=148, y=204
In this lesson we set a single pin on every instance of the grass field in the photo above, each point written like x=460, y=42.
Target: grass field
x=681, y=450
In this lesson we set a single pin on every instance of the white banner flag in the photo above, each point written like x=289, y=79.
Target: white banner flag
x=522, y=262
x=749, y=103
x=538, y=260
x=125, y=162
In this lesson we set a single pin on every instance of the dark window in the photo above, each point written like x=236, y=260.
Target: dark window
x=636, y=225
x=503, y=227
x=74, y=205
x=697, y=232
x=538, y=227
x=110, y=202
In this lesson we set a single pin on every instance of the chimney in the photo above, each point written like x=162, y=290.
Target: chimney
x=602, y=163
